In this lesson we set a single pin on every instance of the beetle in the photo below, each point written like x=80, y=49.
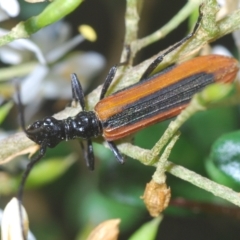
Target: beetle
x=153, y=99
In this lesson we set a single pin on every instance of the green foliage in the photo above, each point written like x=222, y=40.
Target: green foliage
x=147, y=230
x=224, y=160
x=4, y=110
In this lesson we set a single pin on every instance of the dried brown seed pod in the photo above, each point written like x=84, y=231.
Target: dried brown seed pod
x=156, y=197
x=107, y=230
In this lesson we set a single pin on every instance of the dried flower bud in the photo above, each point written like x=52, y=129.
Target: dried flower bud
x=156, y=197
x=107, y=230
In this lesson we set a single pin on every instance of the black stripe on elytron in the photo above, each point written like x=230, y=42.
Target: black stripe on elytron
x=163, y=100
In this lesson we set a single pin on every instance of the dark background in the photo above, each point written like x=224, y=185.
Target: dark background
x=63, y=208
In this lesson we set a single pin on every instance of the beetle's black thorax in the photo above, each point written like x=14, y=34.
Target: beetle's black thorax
x=84, y=125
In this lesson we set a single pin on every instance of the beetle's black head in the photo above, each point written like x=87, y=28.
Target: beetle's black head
x=49, y=129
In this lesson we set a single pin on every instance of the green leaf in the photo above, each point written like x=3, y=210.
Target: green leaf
x=202, y=138
x=55, y=11
x=218, y=176
x=4, y=110
x=225, y=158
x=216, y=92
x=148, y=230
x=49, y=170
x=90, y=206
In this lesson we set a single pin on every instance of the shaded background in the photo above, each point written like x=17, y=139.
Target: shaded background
x=80, y=199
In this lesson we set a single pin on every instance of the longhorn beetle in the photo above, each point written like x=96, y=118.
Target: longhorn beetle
x=151, y=100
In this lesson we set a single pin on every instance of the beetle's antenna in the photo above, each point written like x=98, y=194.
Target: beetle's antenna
x=21, y=114
x=20, y=109
x=32, y=162
x=30, y=165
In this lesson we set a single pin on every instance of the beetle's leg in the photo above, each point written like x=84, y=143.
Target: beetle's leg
x=112, y=72
x=159, y=59
x=88, y=154
x=116, y=152
x=77, y=91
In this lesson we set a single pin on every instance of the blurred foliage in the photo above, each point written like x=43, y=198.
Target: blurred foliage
x=62, y=207
x=4, y=110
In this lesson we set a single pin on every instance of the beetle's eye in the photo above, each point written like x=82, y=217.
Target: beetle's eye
x=35, y=125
